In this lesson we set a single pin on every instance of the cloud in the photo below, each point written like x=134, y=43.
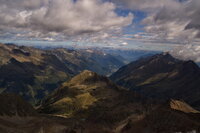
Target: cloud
x=178, y=23
x=187, y=52
x=169, y=20
x=61, y=19
x=171, y=23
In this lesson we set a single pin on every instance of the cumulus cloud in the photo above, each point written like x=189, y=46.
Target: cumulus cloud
x=61, y=19
x=176, y=23
x=187, y=52
x=170, y=20
x=173, y=23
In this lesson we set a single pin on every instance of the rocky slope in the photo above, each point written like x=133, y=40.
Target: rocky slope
x=164, y=119
x=162, y=77
x=182, y=106
x=100, y=106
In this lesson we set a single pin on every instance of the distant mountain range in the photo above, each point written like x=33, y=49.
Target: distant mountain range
x=129, y=55
x=34, y=73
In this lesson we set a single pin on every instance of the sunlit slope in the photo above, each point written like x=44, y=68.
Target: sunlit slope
x=80, y=93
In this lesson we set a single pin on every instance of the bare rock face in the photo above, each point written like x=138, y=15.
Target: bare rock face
x=182, y=106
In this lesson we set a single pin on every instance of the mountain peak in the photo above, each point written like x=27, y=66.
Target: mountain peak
x=162, y=76
x=165, y=56
x=82, y=91
x=87, y=72
x=191, y=64
x=87, y=76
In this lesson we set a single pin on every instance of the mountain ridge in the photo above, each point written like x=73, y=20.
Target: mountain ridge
x=162, y=76
x=87, y=86
x=92, y=103
x=34, y=73
x=114, y=109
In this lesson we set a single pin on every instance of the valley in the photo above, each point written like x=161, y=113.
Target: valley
x=34, y=73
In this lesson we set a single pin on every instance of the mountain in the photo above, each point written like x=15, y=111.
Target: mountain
x=129, y=55
x=84, y=91
x=18, y=116
x=163, y=77
x=164, y=119
x=98, y=105
x=34, y=73
x=28, y=72
x=92, y=103
x=89, y=59
x=159, y=97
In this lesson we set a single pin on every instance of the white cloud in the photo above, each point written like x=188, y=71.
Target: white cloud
x=124, y=43
x=187, y=52
x=169, y=20
x=61, y=18
x=175, y=23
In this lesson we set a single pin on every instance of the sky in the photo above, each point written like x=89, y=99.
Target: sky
x=165, y=25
